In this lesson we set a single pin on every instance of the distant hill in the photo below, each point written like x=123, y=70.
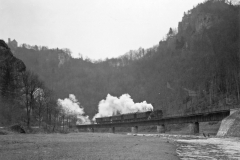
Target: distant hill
x=194, y=68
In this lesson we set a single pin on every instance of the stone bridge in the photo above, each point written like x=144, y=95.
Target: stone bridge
x=192, y=119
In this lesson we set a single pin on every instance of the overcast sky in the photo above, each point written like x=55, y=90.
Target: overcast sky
x=95, y=28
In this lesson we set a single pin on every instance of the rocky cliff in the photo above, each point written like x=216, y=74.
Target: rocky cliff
x=198, y=21
x=10, y=68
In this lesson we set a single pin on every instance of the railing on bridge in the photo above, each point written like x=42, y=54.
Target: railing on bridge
x=205, y=110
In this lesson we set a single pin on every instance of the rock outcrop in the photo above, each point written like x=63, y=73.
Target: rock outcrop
x=196, y=21
x=230, y=126
x=9, y=65
x=17, y=128
x=6, y=57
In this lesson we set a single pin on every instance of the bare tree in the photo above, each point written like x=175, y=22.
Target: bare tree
x=30, y=83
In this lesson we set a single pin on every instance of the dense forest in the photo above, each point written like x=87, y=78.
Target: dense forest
x=194, y=68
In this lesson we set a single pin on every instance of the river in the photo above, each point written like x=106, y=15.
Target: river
x=190, y=147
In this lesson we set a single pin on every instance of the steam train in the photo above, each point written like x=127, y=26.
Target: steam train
x=131, y=117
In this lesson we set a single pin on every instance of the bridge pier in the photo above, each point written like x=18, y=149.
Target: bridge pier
x=112, y=130
x=91, y=130
x=194, y=127
x=134, y=129
x=161, y=128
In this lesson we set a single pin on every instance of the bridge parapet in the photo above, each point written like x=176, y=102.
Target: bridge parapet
x=206, y=110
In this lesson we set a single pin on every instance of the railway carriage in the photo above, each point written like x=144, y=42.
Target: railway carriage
x=117, y=118
x=129, y=117
x=143, y=115
x=138, y=116
x=99, y=120
x=106, y=119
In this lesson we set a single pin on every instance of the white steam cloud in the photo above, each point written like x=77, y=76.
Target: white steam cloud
x=124, y=104
x=71, y=106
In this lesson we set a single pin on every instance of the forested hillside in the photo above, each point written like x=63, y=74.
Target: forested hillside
x=196, y=67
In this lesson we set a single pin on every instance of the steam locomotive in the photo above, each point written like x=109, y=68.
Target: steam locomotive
x=131, y=117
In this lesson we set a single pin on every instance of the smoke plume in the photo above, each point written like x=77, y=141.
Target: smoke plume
x=124, y=104
x=71, y=106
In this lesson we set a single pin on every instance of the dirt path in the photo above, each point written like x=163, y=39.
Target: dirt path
x=85, y=146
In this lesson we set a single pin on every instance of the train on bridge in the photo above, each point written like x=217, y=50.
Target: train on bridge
x=131, y=117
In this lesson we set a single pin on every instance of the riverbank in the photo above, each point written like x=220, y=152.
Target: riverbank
x=85, y=146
